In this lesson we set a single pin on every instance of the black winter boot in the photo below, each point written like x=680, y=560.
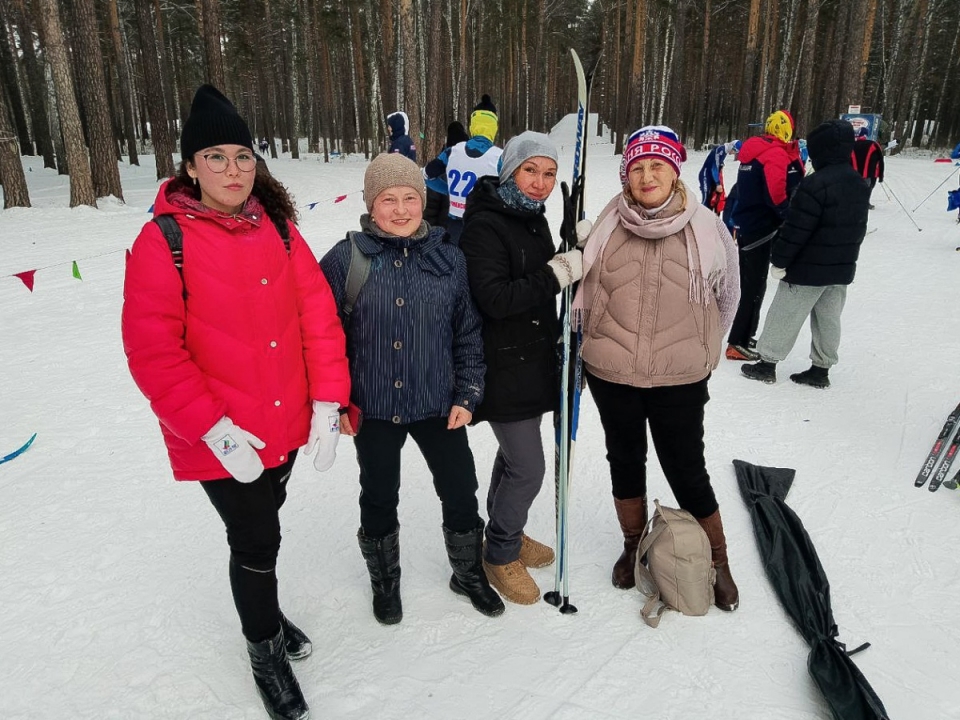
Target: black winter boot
x=464, y=551
x=296, y=642
x=275, y=680
x=814, y=377
x=763, y=371
x=383, y=563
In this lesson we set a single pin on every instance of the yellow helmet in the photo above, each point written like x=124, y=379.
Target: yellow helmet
x=780, y=125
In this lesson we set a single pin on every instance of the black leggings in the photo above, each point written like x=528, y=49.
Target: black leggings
x=754, y=266
x=675, y=416
x=250, y=512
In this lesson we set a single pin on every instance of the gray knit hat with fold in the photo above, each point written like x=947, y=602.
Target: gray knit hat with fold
x=523, y=147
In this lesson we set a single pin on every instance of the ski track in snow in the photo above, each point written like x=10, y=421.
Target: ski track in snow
x=115, y=601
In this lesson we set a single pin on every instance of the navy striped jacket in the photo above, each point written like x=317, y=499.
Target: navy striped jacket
x=413, y=337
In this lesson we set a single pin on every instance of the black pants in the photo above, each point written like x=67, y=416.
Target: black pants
x=754, y=266
x=450, y=461
x=250, y=512
x=675, y=416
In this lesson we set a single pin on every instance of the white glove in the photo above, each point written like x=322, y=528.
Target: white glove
x=583, y=232
x=234, y=448
x=568, y=267
x=777, y=273
x=324, y=433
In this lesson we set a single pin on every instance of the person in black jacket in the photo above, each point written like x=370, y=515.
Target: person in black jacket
x=815, y=258
x=515, y=276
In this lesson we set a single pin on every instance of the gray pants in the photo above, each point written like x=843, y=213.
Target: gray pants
x=788, y=311
x=516, y=480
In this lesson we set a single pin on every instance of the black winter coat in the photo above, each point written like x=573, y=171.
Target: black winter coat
x=819, y=242
x=507, y=252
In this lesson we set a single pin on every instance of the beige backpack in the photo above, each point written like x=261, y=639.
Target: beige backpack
x=678, y=574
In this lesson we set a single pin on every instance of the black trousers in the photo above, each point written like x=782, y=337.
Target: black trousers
x=754, y=266
x=675, y=417
x=450, y=461
x=250, y=512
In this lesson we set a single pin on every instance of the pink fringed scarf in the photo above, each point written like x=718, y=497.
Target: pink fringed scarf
x=705, y=259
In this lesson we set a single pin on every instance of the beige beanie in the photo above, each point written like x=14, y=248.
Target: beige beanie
x=389, y=170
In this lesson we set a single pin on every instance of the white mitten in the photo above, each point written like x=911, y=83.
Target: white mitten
x=777, y=273
x=234, y=448
x=568, y=267
x=324, y=433
x=583, y=232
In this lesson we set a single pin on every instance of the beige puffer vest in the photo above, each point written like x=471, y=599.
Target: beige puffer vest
x=642, y=329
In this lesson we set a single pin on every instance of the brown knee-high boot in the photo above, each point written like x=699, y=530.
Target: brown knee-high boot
x=632, y=514
x=726, y=595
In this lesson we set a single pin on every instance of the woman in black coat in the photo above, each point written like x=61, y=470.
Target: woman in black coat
x=515, y=275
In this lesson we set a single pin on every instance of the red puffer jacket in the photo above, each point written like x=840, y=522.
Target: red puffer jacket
x=257, y=338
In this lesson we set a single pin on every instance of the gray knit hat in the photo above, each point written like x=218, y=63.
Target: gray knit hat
x=523, y=147
x=389, y=170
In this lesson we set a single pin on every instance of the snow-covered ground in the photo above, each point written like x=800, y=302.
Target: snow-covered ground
x=114, y=600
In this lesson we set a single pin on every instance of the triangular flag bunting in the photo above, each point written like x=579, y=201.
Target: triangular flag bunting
x=76, y=271
x=311, y=206
x=150, y=209
x=340, y=198
x=27, y=278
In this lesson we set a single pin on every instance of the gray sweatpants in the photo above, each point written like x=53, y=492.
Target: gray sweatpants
x=516, y=480
x=789, y=310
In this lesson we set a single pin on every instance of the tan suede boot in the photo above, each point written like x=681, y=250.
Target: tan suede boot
x=535, y=554
x=632, y=514
x=726, y=595
x=513, y=582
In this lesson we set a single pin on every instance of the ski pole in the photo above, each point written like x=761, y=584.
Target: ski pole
x=919, y=229
x=937, y=187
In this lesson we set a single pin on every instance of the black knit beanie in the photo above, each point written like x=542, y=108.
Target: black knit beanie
x=455, y=134
x=486, y=104
x=213, y=121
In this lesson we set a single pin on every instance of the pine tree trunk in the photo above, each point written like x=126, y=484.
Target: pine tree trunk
x=121, y=59
x=93, y=91
x=433, y=123
x=163, y=143
x=411, y=86
x=35, y=82
x=211, y=43
x=747, y=88
x=11, y=85
x=15, y=192
x=808, y=51
x=81, y=182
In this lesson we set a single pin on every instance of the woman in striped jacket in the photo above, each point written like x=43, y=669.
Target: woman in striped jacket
x=416, y=363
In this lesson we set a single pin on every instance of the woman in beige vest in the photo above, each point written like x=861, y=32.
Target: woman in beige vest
x=661, y=287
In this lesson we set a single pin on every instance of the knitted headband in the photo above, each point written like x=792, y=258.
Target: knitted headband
x=652, y=141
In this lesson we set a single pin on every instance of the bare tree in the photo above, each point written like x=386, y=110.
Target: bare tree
x=159, y=123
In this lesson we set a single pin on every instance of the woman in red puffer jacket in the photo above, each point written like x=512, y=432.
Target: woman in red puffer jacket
x=242, y=357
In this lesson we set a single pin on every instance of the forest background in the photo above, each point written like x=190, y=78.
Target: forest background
x=88, y=84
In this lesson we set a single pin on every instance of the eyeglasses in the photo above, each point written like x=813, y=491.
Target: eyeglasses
x=218, y=162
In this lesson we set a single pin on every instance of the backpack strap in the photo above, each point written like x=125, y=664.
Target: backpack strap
x=653, y=608
x=174, y=237
x=357, y=274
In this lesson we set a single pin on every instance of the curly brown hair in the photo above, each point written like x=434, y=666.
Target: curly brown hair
x=275, y=198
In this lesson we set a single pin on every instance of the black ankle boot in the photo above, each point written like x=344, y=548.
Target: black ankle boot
x=295, y=641
x=382, y=556
x=763, y=371
x=275, y=680
x=818, y=377
x=469, y=579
